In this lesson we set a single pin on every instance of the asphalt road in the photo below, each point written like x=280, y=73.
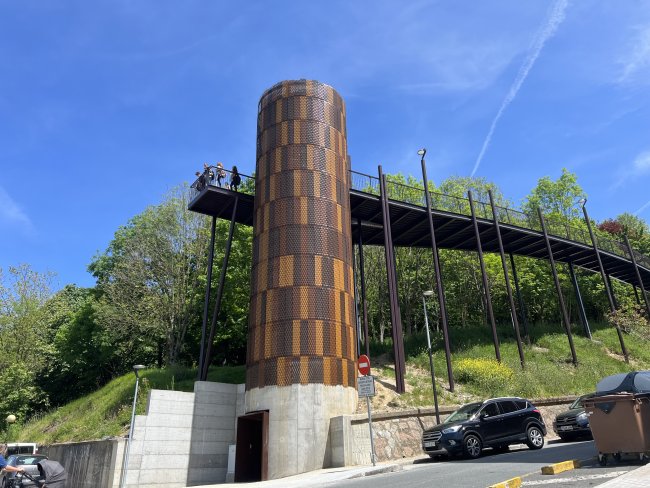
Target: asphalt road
x=493, y=468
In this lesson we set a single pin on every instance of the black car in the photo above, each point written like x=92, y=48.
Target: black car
x=496, y=423
x=574, y=422
x=27, y=461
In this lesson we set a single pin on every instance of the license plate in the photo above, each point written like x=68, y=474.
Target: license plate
x=430, y=444
x=566, y=427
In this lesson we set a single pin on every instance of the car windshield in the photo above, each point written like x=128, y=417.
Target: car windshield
x=463, y=413
x=578, y=402
x=23, y=460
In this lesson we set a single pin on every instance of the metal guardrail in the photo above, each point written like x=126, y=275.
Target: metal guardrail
x=459, y=205
x=222, y=178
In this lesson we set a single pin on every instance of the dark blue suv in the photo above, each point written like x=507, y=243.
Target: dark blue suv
x=496, y=423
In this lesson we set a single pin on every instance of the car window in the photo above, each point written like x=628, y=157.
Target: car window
x=463, y=413
x=490, y=410
x=508, y=406
x=29, y=459
x=521, y=404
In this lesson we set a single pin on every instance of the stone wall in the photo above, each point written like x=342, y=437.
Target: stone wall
x=398, y=435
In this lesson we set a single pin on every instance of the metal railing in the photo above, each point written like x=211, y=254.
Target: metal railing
x=557, y=226
x=222, y=178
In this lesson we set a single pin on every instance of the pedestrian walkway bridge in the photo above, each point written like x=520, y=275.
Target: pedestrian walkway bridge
x=521, y=233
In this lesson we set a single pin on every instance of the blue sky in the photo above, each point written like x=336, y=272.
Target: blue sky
x=105, y=105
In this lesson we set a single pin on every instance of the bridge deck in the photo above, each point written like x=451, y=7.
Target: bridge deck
x=410, y=228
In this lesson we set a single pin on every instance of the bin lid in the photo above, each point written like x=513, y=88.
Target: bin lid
x=634, y=382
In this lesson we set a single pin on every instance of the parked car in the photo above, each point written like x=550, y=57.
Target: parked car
x=496, y=423
x=22, y=448
x=574, y=422
x=27, y=461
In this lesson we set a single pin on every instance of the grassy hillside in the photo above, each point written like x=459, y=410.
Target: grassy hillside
x=549, y=372
x=107, y=412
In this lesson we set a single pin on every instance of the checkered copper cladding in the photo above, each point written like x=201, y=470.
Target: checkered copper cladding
x=301, y=327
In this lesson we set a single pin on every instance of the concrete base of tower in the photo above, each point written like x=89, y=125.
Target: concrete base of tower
x=299, y=423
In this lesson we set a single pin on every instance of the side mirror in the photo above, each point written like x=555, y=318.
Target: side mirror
x=483, y=415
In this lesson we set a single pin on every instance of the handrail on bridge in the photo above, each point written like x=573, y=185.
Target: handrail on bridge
x=439, y=201
x=221, y=178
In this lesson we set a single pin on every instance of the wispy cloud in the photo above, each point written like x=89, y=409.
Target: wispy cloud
x=11, y=213
x=555, y=18
x=640, y=166
x=642, y=208
x=637, y=62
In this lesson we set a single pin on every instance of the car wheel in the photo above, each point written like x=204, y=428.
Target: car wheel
x=534, y=437
x=472, y=446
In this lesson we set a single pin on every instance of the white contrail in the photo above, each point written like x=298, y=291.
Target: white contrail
x=643, y=207
x=555, y=18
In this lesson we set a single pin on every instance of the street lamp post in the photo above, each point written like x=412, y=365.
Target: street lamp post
x=125, y=462
x=438, y=275
x=425, y=294
x=11, y=419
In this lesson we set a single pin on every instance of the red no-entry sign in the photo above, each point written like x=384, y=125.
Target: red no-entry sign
x=364, y=365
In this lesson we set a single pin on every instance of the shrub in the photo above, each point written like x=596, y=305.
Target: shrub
x=630, y=320
x=488, y=374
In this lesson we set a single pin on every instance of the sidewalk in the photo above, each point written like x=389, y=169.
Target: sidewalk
x=323, y=476
x=637, y=478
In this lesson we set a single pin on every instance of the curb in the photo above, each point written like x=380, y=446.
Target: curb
x=378, y=470
x=561, y=467
x=511, y=483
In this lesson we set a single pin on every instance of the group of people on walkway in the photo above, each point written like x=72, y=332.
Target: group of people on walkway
x=218, y=173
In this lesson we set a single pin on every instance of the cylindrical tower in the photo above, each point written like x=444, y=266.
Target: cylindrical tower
x=301, y=343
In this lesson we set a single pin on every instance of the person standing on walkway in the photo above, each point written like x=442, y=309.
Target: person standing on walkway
x=235, y=179
x=221, y=174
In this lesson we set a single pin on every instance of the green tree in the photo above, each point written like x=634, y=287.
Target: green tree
x=23, y=338
x=150, y=278
x=557, y=198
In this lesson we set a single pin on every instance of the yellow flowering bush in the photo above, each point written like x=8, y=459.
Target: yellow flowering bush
x=490, y=375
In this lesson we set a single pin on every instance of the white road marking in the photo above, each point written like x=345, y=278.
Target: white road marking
x=554, y=481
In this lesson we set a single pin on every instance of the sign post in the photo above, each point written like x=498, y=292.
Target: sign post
x=367, y=389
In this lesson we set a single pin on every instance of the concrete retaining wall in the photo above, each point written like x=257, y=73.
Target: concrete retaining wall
x=182, y=441
x=90, y=464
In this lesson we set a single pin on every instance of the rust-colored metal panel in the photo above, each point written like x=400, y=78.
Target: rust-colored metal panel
x=301, y=325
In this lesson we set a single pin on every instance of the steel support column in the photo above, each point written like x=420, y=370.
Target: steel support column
x=396, y=320
x=364, y=305
x=636, y=295
x=638, y=275
x=581, y=305
x=522, y=305
x=486, y=284
x=357, y=319
x=437, y=269
x=610, y=298
x=217, y=303
x=206, y=305
x=608, y=291
x=611, y=289
x=565, y=316
x=511, y=301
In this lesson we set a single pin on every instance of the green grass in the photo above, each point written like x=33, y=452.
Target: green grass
x=549, y=372
x=107, y=411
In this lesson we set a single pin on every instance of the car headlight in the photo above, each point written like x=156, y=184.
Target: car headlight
x=451, y=430
x=583, y=418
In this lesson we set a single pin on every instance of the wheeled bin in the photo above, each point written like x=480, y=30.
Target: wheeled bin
x=620, y=424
